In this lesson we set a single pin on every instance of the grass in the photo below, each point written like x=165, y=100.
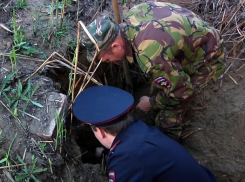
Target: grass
x=5, y=85
x=20, y=42
x=21, y=94
x=61, y=131
x=29, y=174
x=6, y=159
x=21, y=4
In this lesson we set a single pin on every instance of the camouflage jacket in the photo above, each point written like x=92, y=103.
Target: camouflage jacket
x=170, y=44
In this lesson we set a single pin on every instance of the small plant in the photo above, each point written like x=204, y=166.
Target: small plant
x=61, y=131
x=19, y=39
x=7, y=155
x=21, y=4
x=35, y=17
x=4, y=86
x=72, y=44
x=42, y=146
x=50, y=164
x=13, y=59
x=25, y=95
x=20, y=42
x=29, y=173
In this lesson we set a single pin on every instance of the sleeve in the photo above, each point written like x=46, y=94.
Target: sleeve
x=170, y=84
x=129, y=169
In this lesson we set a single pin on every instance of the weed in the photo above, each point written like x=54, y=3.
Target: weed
x=13, y=59
x=29, y=173
x=61, y=131
x=7, y=155
x=35, y=20
x=71, y=77
x=21, y=4
x=4, y=86
x=50, y=164
x=20, y=41
x=51, y=7
x=25, y=95
x=42, y=146
x=29, y=50
x=16, y=118
x=72, y=44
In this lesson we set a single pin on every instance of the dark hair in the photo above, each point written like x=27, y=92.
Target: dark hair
x=114, y=129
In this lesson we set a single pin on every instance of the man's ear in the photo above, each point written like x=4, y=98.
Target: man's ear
x=102, y=132
x=116, y=45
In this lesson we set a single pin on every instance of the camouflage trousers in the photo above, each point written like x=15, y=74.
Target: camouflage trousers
x=169, y=120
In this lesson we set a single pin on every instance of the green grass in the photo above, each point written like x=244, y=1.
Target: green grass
x=6, y=159
x=29, y=174
x=21, y=4
x=20, y=94
x=61, y=131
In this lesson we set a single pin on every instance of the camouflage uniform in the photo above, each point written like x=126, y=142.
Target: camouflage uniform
x=178, y=51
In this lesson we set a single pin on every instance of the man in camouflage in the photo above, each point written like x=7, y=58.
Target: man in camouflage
x=178, y=51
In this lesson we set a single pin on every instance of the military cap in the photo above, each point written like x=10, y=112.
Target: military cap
x=102, y=105
x=104, y=30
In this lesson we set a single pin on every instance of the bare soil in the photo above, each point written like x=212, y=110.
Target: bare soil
x=215, y=124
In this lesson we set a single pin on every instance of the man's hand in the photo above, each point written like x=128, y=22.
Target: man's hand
x=144, y=104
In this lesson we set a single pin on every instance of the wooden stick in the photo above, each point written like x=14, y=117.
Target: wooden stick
x=75, y=71
x=233, y=79
x=90, y=67
x=34, y=141
x=89, y=35
x=228, y=23
x=91, y=76
x=30, y=115
x=116, y=10
x=5, y=28
x=240, y=67
x=17, y=165
x=63, y=14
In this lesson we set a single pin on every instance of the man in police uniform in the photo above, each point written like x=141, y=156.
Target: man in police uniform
x=173, y=47
x=138, y=152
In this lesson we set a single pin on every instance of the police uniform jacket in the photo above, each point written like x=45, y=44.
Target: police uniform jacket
x=143, y=153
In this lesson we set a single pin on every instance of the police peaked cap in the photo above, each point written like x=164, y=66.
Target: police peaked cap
x=102, y=105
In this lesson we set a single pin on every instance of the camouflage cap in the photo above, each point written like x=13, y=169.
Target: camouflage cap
x=104, y=31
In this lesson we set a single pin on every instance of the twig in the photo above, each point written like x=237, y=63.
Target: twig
x=17, y=119
x=24, y=155
x=22, y=57
x=83, y=86
x=62, y=63
x=5, y=28
x=63, y=14
x=30, y=115
x=233, y=79
x=17, y=165
x=241, y=67
x=8, y=175
x=32, y=139
x=46, y=141
x=92, y=74
x=89, y=35
x=7, y=5
x=228, y=23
